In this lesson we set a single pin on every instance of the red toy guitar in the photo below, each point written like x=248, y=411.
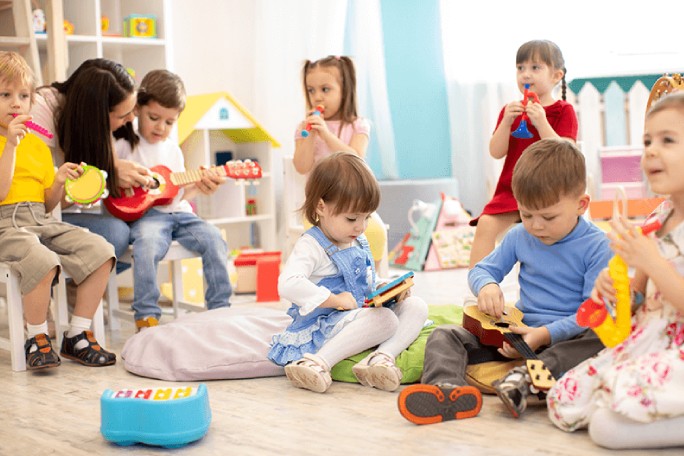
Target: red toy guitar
x=134, y=202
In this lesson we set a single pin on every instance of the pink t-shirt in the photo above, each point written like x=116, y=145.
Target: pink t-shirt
x=321, y=149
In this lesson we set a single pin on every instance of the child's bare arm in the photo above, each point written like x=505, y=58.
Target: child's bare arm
x=641, y=252
x=498, y=144
x=54, y=194
x=303, y=159
x=16, y=130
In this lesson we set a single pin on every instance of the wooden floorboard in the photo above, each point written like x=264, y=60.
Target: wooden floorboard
x=58, y=412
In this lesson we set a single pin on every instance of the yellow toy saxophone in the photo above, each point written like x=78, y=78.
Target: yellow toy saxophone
x=595, y=314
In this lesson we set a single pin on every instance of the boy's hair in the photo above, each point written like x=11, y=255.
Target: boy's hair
x=345, y=66
x=162, y=86
x=14, y=69
x=544, y=51
x=82, y=122
x=673, y=100
x=547, y=171
x=344, y=181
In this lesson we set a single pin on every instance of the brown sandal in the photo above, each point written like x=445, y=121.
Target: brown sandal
x=93, y=355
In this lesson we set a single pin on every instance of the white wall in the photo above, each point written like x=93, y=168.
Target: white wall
x=255, y=50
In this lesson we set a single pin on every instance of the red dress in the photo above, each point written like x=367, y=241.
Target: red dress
x=562, y=118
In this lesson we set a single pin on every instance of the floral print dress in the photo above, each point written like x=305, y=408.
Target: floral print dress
x=641, y=378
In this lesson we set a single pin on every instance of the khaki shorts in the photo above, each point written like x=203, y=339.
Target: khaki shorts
x=34, y=243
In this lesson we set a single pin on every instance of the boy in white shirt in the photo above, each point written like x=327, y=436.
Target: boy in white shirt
x=161, y=99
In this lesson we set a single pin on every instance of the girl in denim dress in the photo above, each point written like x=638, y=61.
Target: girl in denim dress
x=327, y=278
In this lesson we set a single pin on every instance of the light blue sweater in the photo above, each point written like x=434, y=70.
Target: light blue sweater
x=554, y=279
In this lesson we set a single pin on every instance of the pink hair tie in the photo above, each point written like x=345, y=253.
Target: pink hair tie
x=338, y=57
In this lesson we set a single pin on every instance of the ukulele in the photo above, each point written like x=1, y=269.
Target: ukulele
x=134, y=202
x=492, y=331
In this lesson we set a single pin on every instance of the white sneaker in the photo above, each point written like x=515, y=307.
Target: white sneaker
x=310, y=372
x=378, y=370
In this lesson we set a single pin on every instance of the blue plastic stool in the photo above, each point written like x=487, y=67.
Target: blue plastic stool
x=170, y=417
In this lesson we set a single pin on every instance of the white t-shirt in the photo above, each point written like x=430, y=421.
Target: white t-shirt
x=165, y=153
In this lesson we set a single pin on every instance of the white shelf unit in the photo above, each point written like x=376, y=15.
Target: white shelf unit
x=88, y=40
x=227, y=207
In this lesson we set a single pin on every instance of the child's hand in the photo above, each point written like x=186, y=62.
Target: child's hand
x=490, y=300
x=343, y=301
x=638, y=251
x=131, y=174
x=317, y=123
x=210, y=181
x=535, y=338
x=16, y=130
x=68, y=171
x=536, y=113
x=512, y=111
x=603, y=287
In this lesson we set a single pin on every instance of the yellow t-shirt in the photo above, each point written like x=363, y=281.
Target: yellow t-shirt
x=33, y=171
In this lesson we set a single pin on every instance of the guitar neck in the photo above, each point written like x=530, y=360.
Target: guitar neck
x=190, y=177
x=517, y=341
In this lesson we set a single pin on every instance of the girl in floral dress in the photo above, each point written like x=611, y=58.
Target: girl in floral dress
x=632, y=395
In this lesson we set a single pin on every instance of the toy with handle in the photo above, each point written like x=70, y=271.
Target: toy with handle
x=522, y=132
x=37, y=128
x=317, y=112
x=595, y=315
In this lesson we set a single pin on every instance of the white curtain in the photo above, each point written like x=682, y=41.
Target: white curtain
x=473, y=110
x=365, y=46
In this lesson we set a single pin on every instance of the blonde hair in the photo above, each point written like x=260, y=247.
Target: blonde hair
x=344, y=181
x=14, y=69
x=547, y=171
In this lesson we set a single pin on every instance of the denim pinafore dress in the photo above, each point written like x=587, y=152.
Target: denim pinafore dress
x=308, y=333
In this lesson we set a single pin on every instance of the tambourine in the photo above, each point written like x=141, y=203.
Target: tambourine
x=89, y=188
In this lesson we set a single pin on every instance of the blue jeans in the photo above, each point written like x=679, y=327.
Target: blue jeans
x=151, y=237
x=115, y=231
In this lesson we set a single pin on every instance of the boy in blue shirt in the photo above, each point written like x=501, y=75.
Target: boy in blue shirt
x=560, y=255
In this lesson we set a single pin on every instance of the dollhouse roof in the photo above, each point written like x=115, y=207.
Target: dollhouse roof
x=220, y=111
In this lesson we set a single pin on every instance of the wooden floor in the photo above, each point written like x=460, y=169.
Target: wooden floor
x=58, y=412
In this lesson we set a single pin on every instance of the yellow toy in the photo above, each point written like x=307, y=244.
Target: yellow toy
x=140, y=26
x=595, y=315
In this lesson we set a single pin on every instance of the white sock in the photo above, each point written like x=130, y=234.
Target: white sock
x=615, y=431
x=34, y=330
x=76, y=327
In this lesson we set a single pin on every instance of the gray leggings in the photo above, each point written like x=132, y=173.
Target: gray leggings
x=450, y=349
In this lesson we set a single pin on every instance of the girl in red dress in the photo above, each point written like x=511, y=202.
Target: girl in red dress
x=540, y=65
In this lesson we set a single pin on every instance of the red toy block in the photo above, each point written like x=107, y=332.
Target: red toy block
x=258, y=273
x=268, y=269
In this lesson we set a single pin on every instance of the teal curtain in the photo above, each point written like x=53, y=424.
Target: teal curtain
x=416, y=87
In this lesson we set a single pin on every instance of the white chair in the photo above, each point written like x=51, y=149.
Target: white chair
x=15, y=317
x=174, y=256
x=15, y=313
